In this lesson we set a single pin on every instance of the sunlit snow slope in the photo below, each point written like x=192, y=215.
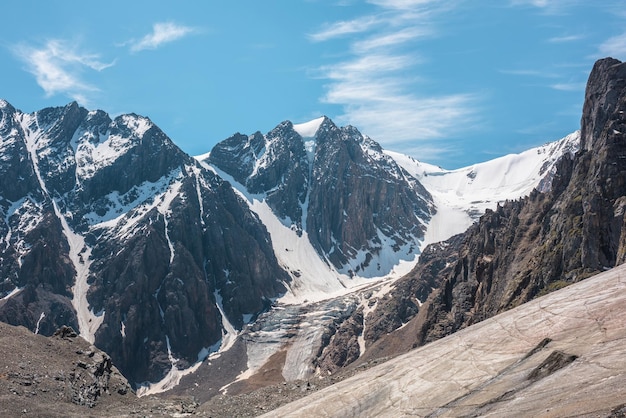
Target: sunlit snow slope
x=463, y=195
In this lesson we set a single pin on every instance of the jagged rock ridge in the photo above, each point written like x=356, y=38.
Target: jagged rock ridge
x=109, y=228
x=336, y=185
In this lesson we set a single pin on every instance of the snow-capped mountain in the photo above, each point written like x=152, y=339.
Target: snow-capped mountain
x=325, y=192
x=461, y=196
x=360, y=211
x=161, y=259
x=523, y=248
x=110, y=228
x=276, y=255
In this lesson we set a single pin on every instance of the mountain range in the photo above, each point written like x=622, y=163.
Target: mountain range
x=292, y=254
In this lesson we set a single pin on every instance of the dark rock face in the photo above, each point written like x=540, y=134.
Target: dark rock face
x=338, y=186
x=275, y=164
x=524, y=248
x=345, y=344
x=555, y=361
x=366, y=199
x=603, y=98
x=547, y=240
x=156, y=237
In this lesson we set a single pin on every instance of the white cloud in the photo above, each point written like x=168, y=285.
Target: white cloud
x=376, y=85
x=367, y=67
x=614, y=47
x=390, y=39
x=406, y=120
x=401, y=4
x=57, y=67
x=161, y=33
x=536, y=3
x=342, y=28
x=563, y=39
x=573, y=86
x=548, y=6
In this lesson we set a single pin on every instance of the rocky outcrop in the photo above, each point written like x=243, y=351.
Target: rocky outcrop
x=157, y=291
x=64, y=376
x=275, y=164
x=91, y=375
x=59, y=373
x=345, y=342
x=361, y=200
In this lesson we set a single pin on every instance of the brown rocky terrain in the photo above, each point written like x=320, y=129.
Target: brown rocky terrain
x=64, y=376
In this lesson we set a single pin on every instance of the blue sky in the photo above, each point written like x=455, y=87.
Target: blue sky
x=450, y=82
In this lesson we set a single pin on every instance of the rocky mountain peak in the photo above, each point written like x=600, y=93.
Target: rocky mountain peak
x=335, y=185
x=108, y=227
x=603, y=100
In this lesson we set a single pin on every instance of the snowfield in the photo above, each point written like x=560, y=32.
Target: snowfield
x=461, y=196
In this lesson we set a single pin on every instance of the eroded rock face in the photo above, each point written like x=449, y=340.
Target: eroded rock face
x=345, y=345
x=151, y=234
x=547, y=241
x=360, y=199
x=603, y=100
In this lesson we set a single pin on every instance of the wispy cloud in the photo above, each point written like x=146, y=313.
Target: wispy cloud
x=401, y=4
x=342, y=28
x=536, y=3
x=375, y=85
x=615, y=47
x=559, y=82
x=563, y=39
x=547, y=6
x=573, y=86
x=58, y=67
x=531, y=73
x=389, y=39
x=162, y=33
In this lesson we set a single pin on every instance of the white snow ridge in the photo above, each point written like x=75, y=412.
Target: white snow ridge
x=461, y=196
x=308, y=129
